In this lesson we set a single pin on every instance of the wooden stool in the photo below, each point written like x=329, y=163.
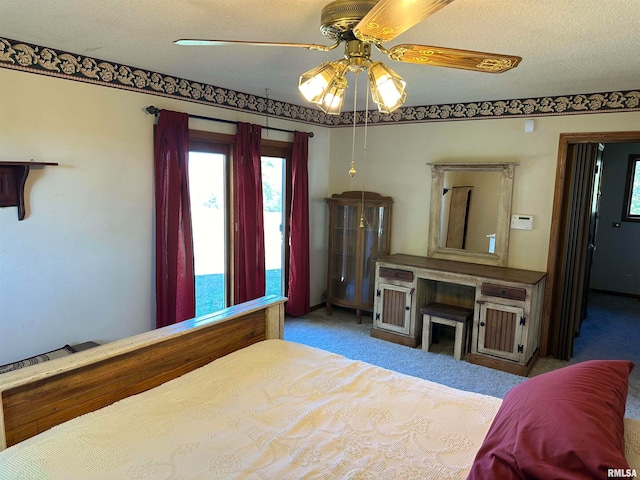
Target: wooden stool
x=442, y=314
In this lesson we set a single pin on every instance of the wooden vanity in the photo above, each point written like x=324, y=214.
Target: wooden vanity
x=507, y=305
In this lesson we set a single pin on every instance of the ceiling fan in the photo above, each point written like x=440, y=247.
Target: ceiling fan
x=361, y=24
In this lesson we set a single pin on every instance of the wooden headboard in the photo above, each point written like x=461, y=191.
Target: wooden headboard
x=39, y=397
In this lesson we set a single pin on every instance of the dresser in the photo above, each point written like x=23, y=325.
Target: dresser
x=359, y=234
x=507, y=305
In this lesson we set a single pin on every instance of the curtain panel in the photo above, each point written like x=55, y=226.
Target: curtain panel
x=248, y=239
x=299, y=295
x=175, y=280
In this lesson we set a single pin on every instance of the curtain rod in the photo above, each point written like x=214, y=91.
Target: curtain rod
x=156, y=111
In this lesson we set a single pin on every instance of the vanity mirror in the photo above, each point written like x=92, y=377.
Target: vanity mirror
x=470, y=212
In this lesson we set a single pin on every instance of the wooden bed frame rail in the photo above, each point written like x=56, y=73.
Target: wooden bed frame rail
x=39, y=397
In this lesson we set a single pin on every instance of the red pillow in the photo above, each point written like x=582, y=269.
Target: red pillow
x=568, y=423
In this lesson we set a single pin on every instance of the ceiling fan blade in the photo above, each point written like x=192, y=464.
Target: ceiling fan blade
x=200, y=42
x=389, y=18
x=453, y=58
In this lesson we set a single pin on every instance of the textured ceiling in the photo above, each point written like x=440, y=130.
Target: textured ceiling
x=568, y=46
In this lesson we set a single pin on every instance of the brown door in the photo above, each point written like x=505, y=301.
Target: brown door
x=591, y=241
x=575, y=217
x=558, y=326
x=394, y=309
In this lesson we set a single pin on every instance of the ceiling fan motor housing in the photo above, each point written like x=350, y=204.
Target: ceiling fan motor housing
x=340, y=16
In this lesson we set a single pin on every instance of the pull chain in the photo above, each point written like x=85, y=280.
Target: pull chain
x=352, y=170
x=364, y=158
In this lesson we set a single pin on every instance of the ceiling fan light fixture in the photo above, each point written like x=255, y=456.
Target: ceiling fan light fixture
x=325, y=86
x=387, y=87
x=315, y=83
x=361, y=25
x=333, y=98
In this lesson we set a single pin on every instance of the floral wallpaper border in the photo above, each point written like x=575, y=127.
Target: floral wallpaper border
x=47, y=61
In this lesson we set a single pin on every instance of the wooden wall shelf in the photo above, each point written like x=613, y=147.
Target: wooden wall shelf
x=13, y=176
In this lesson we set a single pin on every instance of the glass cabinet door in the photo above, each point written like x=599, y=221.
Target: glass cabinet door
x=376, y=245
x=344, y=236
x=359, y=224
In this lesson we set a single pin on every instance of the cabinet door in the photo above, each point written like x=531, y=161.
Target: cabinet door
x=344, y=249
x=376, y=245
x=393, y=308
x=500, y=331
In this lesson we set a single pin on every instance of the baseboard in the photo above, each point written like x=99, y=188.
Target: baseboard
x=395, y=338
x=617, y=294
x=339, y=308
x=504, y=365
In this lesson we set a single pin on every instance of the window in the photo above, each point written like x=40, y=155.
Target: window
x=276, y=191
x=631, y=207
x=273, y=205
x=210, y=167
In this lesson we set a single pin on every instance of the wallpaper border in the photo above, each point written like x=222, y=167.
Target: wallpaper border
x=32, y=58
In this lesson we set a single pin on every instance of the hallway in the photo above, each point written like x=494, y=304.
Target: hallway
x=611, y=330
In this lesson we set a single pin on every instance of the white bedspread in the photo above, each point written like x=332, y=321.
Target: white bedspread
x=275, y=410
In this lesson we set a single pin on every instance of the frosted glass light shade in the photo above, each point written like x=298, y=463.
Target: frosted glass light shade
x=331, y=102
x=313, y=84
x=387, y=87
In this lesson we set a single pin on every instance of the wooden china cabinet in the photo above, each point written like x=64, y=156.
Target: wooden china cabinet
x=359, y=234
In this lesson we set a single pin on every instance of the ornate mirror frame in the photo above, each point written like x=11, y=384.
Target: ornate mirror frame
x=499, y=257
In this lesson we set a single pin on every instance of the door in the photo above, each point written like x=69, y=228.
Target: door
x=500, y=331
x=273, y=195
x=393, y=309
x=210, y=213
x=556, y=339
x=208, y=194
x=570, y=274
x=210, y=166
x=553, y=340
x=375, y=245
x=343, y=250
x=593, y=228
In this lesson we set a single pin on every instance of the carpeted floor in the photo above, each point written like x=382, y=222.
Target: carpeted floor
x=610, y=331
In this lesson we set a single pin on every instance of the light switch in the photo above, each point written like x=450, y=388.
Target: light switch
x=529, y=126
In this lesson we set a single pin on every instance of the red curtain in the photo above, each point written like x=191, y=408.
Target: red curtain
x=248, y=243
x=175, y=280
x=299, y=297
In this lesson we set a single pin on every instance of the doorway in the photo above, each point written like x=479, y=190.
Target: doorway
x=210, y=167
x=560, y=314
x=209, y=210
x=209, y=216
x=273, y=195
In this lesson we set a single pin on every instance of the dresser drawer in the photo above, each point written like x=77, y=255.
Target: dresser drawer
x=395, y=274
x=513, y=293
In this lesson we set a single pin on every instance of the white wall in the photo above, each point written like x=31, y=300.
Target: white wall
x=80, y=266
x=396, y=165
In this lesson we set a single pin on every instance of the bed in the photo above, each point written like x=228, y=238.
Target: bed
x=224, y=396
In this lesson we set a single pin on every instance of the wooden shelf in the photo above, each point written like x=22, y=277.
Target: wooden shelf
x=13, y=176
